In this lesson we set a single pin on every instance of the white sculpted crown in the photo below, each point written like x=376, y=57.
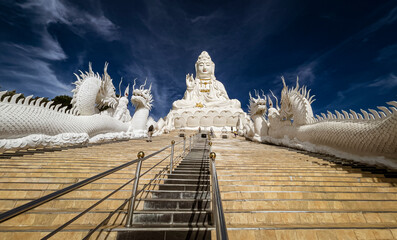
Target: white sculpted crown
x=204, y=56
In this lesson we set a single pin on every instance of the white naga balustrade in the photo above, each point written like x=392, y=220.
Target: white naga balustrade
x=27, y=123
x=371, y=137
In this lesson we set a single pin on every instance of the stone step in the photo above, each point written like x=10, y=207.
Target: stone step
x=187, y=181
x=307, y=174
x=70, y=232
x=175, y=194
x=63, y=203
x=310, y=232
x=176, y=204
x=180, y=233
x=47, y=218
x=298, y=182
x=308, y=205
x=187, y=168
x=176, y=175
x=311, y=217
x=307, y=195
x=190, y=171
x=191, y=164
x=334, y=188
x=184, y=187
x=307, y=178
x=187, y=218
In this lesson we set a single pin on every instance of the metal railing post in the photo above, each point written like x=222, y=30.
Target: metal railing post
x=210, y=144
x=172, y=155
x=190, y=143
x=131, y=203
x=184, y=144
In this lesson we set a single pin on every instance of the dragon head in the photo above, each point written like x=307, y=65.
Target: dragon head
x=257, y=105
x=142, y=97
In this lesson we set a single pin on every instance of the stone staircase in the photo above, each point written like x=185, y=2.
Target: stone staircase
x=179, y=207
x=271, y=192
x=29, y=174
x=268, y=192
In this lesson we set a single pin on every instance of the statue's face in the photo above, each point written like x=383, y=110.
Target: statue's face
x=204, y=69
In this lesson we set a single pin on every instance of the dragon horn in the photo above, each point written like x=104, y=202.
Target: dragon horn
x=90, y=67
x=150, y=88
x=133, y=86
x=141, y=87
x=250, y=95
x=120, y=87
x=256, y=93
x=275, y=98
x=297, y=83
x=282, y=78
x=106, y=67
x=127, y=90
x=270, y=101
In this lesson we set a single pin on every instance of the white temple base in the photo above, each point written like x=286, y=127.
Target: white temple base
x=193, y=118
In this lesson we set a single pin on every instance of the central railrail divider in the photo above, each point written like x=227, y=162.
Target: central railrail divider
x=220, y=224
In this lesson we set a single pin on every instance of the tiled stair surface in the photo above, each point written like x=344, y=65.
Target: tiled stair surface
x=29, y=174
x=268, y=192
x=271, y=192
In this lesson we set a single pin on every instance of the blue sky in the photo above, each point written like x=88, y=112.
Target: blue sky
x=345, y=51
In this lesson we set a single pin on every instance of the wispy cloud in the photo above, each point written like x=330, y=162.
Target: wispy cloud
x=27, y=65
x=379, y=86
x=390, y=18
x=29, y=71
x=385, y=82
x=308, y=69
x=387, y=53
x=45, y=12
x=305, y=72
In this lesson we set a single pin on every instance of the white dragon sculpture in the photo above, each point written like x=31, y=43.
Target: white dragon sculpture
x=142, y=99
x=257, y=109
x=31, y=124
x=369, y=137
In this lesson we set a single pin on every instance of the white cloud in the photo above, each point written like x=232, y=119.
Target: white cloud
x=390, y=18
x=80, y=22
x=27, y=66
x=385, y=82
x=305, y=72
x=387, y=53
x=379, y=86
x=29, y=73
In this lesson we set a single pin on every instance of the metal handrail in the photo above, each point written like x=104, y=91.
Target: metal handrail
x=40, y=201
x=128, y=199
x=217, y=208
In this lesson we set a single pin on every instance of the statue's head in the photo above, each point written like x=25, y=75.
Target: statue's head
x=205, y=68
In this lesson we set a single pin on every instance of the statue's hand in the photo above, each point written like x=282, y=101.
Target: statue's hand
x=189, y=81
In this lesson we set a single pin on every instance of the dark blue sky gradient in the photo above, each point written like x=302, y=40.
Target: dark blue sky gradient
x=345, y=51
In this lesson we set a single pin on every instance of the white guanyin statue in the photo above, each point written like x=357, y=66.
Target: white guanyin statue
x=205, y=90
x=205, y=103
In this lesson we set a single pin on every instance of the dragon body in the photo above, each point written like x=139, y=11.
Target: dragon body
x=369, y=136
x=30, y=123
